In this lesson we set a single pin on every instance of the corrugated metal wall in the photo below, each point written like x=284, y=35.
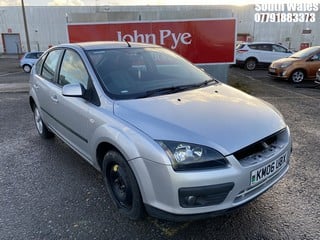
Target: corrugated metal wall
x=47, y=25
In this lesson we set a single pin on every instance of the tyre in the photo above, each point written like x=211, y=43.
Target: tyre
x=27, y=68
x=41, y=127
x=250, y=64
x=297, y=76
x=122, y=185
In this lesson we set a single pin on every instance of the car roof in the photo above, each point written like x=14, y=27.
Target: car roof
x=249, y=43
x=106, y=45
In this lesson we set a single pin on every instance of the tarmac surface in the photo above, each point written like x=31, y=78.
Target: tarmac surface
x=12, y=77
x=47, y=191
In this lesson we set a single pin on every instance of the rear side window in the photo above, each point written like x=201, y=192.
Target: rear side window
x=261, y=47
x=50, y=65
x=254, y=46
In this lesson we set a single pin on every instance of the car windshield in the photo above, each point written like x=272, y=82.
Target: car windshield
x=143, y=72
x=305, y=52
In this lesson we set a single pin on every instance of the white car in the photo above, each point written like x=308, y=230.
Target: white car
x=250, y=55
x=28, y=60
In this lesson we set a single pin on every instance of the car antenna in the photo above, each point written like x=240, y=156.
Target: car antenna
x=126, y=39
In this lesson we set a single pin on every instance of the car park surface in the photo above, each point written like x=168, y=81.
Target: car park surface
x=302, y=65
x=49, y=192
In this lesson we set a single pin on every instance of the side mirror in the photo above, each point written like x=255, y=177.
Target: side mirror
x=314, y=58
x=73, y=90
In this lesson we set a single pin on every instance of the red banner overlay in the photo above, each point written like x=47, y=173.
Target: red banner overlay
x=200, y=41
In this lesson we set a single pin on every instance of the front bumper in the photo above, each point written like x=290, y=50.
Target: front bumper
x=279, y=73
x=189, y=195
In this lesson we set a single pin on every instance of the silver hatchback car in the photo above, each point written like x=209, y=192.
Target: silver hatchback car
x=169, y=139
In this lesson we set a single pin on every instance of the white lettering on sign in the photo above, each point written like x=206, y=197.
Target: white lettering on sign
x=164, y=36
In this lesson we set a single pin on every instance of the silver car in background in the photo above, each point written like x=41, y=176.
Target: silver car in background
x=28, y=60
x=168, y=138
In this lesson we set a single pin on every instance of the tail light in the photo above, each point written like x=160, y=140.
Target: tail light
x=242, y=51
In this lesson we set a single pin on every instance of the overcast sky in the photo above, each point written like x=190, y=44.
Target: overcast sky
x=139, y=2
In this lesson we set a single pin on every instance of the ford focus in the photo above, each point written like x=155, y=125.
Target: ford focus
x=169, y=139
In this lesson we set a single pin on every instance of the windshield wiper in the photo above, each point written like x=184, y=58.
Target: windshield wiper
x=175, y=89
x=207, y=82
x=162, y=91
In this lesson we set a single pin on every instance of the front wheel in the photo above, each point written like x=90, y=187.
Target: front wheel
x=297, y=76
x=27, y=68
x=41, y=127
x=122, y=185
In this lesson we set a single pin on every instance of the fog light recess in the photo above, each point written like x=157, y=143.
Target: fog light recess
x=204, y=196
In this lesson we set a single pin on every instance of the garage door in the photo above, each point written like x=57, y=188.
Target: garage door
x=11, y=43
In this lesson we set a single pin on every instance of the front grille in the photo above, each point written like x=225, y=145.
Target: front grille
x=262, y=149
x=272, y=73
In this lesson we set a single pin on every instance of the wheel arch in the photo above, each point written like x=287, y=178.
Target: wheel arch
x=252, y=58
x=299, y=69
x=102, y=149
x=32, y=103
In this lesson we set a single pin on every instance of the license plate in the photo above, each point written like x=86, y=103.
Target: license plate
x=272, y=70
x=260, y=174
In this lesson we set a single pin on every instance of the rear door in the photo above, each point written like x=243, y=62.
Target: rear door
x=44, y=83
x=71, y=114
x=264, y=52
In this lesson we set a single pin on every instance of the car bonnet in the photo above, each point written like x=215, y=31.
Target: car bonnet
x=217, y=116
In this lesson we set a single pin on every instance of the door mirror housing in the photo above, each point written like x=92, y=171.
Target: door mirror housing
x=73, y=90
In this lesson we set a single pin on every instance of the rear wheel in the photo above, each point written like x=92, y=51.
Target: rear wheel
x=250, y=64
x=297, y=76
x=122, y=185
x=41, y=127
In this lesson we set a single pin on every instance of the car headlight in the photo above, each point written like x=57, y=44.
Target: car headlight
x=285, y=65
x=188, y=156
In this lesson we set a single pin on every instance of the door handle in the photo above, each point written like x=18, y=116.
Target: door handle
x=36, y=86
x=54, y=99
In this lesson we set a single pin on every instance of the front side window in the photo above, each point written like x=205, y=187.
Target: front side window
x=316, y=57
x=277, y=48
x=32, y=55
x=49, y=66
x=137, y=72
x=73, y=70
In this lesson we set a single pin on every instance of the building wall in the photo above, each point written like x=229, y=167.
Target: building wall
x=47, y=25
x=290, y=34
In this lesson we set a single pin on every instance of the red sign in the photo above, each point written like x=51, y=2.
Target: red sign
x=200, y=41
